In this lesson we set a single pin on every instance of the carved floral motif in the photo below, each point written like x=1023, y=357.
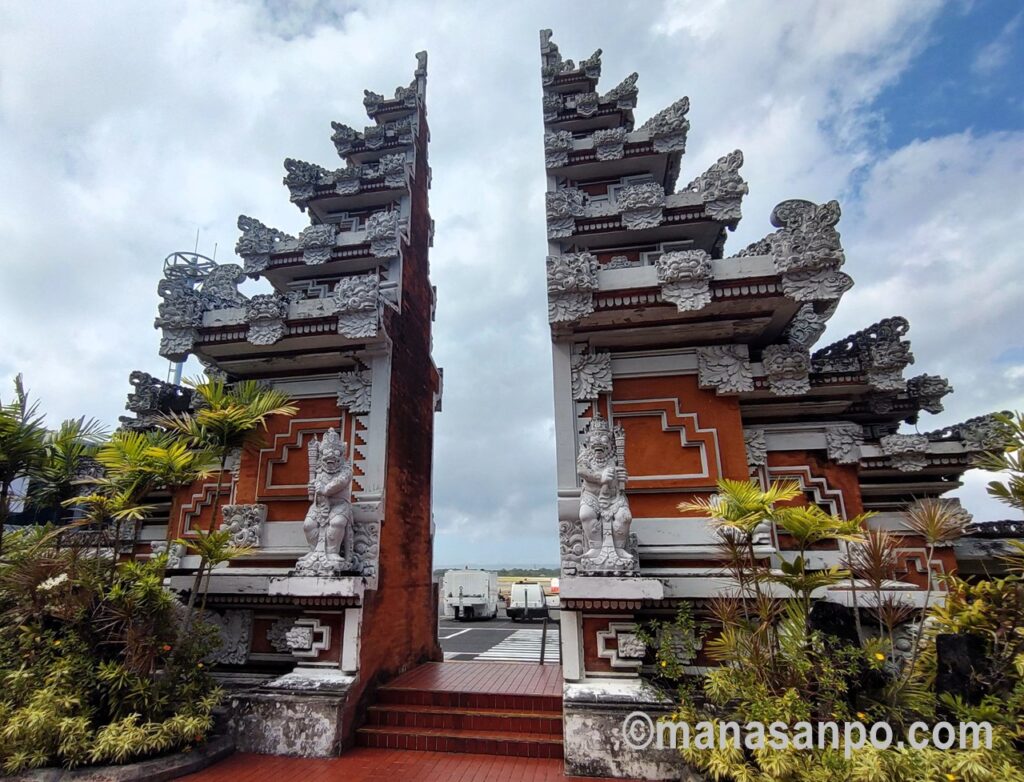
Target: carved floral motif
x=316, y=242
x=623, y=95
x=382, y=233
x=609, y=143
x=843, y=443
x=245, y=523
x=757, y=447
x=725, y=368
x=235, y=628
x=354, y=391
x=928, y=391
x=591, y=374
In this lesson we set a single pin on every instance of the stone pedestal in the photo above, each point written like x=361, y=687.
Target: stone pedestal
x=594, y=742
x=300, y=714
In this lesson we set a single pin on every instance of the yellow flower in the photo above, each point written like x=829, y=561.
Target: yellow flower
x=879, y=656
x=951, y=777
x=57, y=642
x=861, y=716
x=664, y=663
x=200, y=665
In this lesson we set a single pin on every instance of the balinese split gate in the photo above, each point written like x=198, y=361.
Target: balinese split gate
x=675, y=364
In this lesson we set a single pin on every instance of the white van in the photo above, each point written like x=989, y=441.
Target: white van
x=527, y=601
x=470, y=594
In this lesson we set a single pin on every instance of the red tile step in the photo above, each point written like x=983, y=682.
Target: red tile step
x=523, y=745
x=449, y=717
x=410, y=696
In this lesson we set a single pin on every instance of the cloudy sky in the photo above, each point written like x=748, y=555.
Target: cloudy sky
x=126, y=126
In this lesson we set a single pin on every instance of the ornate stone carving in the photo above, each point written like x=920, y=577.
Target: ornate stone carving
x=572, y=280
x=174, y=551
x=623, y=94
x=843, y=443
x=983, y=433
x=151, y=398
x=235, y=628
x=356, y=304
x=328, y=524
x=277, y=634
x=392, y=169
x=302, y=180
x=553, y=65
x=552, y=105
x=307, y=637
x=591, y=374
x=668, y=128
x=685, y=277
x=557, y=146
x=757, y=448
x=806, y=250
x=316, y=242
x=265, y=314
x=245, y=523
x=563, y=207
x=257, y=243
x=684, y=645
x=806, y=327
x=348, y=180
x=787, y=367
x=354, y=391
x=906, y=452
x=179, y=314
x=878, y=351
x=928, y=391
x=382, y=233
x=725, y=368
x=571, y=544
x=604, y=509
x=629, y=651
x=641, y=206
x=220, y=288
x=587, y=104
x=366, y=548
x=609, y=143
x=344, y=138
x=722, y=188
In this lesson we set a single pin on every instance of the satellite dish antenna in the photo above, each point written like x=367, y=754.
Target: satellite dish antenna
x=190, y=268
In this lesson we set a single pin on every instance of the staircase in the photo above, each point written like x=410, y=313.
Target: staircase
x=442, y=720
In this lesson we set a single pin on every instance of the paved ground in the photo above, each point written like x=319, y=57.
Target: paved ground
x=384, y=765
x=497, y=639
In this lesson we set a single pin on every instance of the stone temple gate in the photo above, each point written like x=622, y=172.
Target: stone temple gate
x=675, y=364
x=317, y=616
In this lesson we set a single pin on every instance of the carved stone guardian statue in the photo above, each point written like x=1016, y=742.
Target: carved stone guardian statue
x=328, y=524
x=604, y=508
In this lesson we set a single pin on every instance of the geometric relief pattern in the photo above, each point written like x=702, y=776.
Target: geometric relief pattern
x=283, y=470
x=702, y=461
x=831, y=500
x=202, y=500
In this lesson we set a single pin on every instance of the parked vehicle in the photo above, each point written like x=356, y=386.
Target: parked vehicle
x=527, y=601
x=470, y=594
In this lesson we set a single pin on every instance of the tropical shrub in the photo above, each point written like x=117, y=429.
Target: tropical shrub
x=772, y=664
x=93, y=668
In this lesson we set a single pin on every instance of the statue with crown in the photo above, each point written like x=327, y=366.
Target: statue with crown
x=328, y=524
x=604, y=507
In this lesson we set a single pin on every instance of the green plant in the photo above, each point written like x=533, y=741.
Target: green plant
x=226, y=418
x=67, y=453
x=93, y=669
x=22, y=438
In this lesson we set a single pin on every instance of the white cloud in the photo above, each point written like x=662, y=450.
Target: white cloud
x=996, y=53
x=125, y=127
